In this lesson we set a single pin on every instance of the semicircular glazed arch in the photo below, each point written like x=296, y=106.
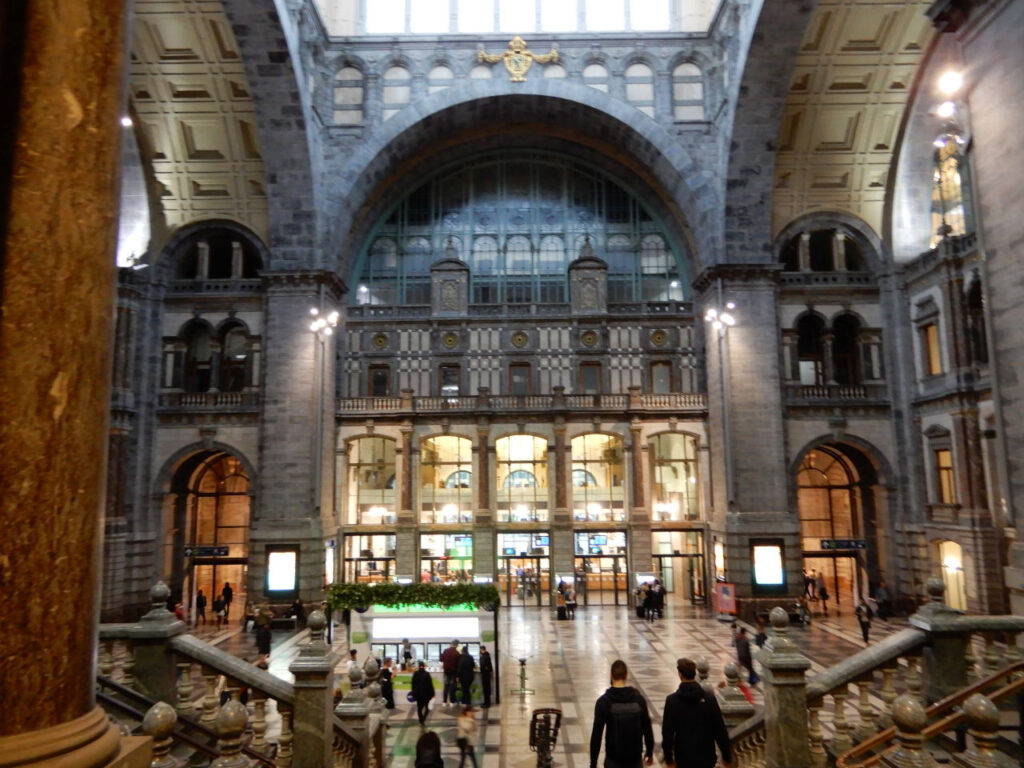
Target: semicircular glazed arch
x=557, y=115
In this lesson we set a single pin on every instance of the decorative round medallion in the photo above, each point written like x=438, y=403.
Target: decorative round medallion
x=659, y=337
x=589, y=338
x=380, y=340
x=450, y=340
x=519, y=339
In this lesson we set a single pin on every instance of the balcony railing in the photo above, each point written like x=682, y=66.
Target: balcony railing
x=236, y=285
x=668, y=403
x=835, y=392
x=209, y=399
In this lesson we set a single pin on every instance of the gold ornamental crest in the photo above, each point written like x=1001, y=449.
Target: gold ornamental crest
x=517, y=58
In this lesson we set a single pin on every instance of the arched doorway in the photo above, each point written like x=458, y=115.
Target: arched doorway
x=836, y=501
x=211, y=497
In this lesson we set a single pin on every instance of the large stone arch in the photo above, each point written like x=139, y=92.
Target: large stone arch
x=477, y=115
x=763, y=90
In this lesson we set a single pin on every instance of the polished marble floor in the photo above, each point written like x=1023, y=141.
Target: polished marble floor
x=567, y=665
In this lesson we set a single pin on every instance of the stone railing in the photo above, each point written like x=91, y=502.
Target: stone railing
x=208, y=399
x=670, y=402
x=285, y=723
x=807, y=722
x=835, y=392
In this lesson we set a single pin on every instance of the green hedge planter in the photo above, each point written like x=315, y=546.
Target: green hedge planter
x=354, y=596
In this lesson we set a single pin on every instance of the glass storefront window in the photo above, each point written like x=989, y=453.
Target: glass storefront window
x=674, y=477
x=598, y=471
x=522, y=479
x=370, y=559
x=446, y=557
x=446, y=479
x=371, y=481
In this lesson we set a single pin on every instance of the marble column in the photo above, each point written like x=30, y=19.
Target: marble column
x=58, y=188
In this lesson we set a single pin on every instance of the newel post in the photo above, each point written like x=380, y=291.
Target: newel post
x=787, y=743
x=945, y=655
x=156, y=670
x=313, y=718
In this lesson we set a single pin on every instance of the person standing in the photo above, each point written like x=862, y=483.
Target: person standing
x=812, y=585
x=863, y=615
x=883, y=599
x=465, y=674
x=744, y=656
x=486, y=672
x=570, y=602
x=823, y=596
x=465, y=730
x=227, y=593
x=692, y=723
x=428, y=751
x=387, y=686
x=263, y=638
x=408, y=654
x=201, y=608
x=622, y=711
x=449, y=667
x=422, y=692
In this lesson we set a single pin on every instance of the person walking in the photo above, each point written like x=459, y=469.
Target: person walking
x=422, y=693
x=428, y=750
x=883, y=599
x=200, y=608
x=218, y=610
x=692, y=723
x=465, y=674
x=823, y=596
x=228, y=594
x=387, y=686
x=622, y=711
x=449, y=667
x=263, y=638
x=863, y=614
x=486, y=673
x=744, y=656
x=465, y=730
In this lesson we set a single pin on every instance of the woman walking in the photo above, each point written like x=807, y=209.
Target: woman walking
x=466, y=736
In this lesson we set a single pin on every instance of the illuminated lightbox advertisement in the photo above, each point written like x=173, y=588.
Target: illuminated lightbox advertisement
x=768, y=570
x=281, y=571
x=446, y=627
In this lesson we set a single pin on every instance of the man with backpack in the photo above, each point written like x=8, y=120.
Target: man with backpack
x=692, y=723
x=623, y=712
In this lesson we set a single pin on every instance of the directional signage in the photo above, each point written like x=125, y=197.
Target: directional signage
x=206, y=551
x=844, y=544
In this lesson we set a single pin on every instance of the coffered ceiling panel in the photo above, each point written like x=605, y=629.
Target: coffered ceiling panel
x=195, y=113
x=849, y=90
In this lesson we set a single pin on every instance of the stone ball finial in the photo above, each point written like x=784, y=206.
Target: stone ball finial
x=232, y=720
x=981, y=713
x=908, y=714
x=316, y=621
x=936, y=588
x=731, y=672
x=779, y=617
x=355, y=675
x=159, y=593
x=160, y=720
x=370, y=667
x=703, y=667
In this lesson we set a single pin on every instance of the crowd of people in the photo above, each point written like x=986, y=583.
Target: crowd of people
x=650, y=600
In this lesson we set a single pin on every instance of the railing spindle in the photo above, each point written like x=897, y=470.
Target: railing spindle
x=867, y=726
x=185, y=689
x=128, y=665
x=841, y=740
x=210, y=701
x=819, y=757
x=284, y=740
x=259, y=724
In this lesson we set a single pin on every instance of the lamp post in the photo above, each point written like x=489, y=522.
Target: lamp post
x=721, y=318
x=322, y=326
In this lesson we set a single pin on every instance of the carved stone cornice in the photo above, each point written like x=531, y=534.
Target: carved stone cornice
x=737, y=273
x=282, y=281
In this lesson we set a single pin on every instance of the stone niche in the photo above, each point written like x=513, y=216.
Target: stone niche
x=588, y=283
x=449, y=288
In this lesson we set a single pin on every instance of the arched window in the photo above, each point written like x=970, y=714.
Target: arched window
x=598, y=478
x=348, y=97
x=396, y=92
x=640, y=87
x=441, y=458
x=521, y=476
x=674, y=477
x=439, y=78
x=371, y=481
x=687, y=92
x=846, y=350
x=217, y=253
x=234, y=359
x=596, y=76
x=810, y=348
x=198, y=357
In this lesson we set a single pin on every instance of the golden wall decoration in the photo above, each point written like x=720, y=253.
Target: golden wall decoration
x=517, y=58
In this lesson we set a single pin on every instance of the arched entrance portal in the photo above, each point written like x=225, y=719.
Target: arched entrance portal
x=836, y=499
x=210, y=493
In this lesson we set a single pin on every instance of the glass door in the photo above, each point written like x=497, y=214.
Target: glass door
x=524, y=581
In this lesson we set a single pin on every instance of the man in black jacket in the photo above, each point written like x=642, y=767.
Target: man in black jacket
x=422, y=691
x=465, y=674
x=692, y=723
x=623, y=711
x=486, y=672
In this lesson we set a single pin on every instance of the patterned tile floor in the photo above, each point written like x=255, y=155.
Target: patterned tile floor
x=567, y=668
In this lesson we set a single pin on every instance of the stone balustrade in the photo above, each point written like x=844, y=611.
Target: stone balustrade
x=283, y=724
